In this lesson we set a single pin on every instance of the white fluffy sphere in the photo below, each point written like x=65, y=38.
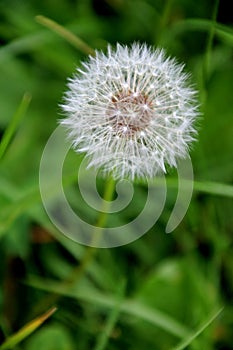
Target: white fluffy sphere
x=131, y=111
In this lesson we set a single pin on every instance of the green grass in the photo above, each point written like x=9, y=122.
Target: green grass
x=162, y=291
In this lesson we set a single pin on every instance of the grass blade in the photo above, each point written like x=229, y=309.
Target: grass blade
x=198, y=24
x=14, y=123
x=103, y=338
x=65, y=34
x=24, y=332
x=193, y=336
x=129, y=307
x=214, y=188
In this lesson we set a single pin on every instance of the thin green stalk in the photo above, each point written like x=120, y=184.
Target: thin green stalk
x=66, y=34
x=193, y=336
x=24, y=332
x=20, y=112
x=206, y=63
x=134, y=308
x=103, y=338
x=101, y=221
x=108, y=195
x=90, y=251
x=166, y=14
x=214, y=188
x=164, y=20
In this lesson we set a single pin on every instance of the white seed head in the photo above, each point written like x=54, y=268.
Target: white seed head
x=131, y=111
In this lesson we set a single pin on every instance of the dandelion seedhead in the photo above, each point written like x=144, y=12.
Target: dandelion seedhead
x=131, y=111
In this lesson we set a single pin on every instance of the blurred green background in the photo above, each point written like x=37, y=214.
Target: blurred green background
x=158, y=291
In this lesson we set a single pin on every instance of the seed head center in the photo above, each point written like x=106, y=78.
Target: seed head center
x=129, y=113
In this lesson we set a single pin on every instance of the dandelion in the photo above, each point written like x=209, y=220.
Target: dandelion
x=131, y=111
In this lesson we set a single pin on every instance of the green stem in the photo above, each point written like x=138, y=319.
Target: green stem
x=103, y=338
x=193, y=336
x=66, y=34
x=24, y=332
x=14, y=123
x=164, y=20
x=102, y=219
x=206, y=63
x=107, y=198
x=91, y=250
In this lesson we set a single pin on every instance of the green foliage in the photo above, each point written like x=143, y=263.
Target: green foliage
x=52, y=337
x=162, y=291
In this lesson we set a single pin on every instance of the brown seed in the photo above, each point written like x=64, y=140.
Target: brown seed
x=129, y=113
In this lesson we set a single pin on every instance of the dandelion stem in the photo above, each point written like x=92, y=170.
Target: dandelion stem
x=101, y=221
x=91, y=250
x=107, y=197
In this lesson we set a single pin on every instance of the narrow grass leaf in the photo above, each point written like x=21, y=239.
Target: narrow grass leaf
x=104, y=336
x=197, y=24
x=193, y=336
x=207, y=58
x=208, y=187
x=24, y=332
x=12, y=211
x=214, y=188
x=130, y=307
x=14, y=123
x=65, y=34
